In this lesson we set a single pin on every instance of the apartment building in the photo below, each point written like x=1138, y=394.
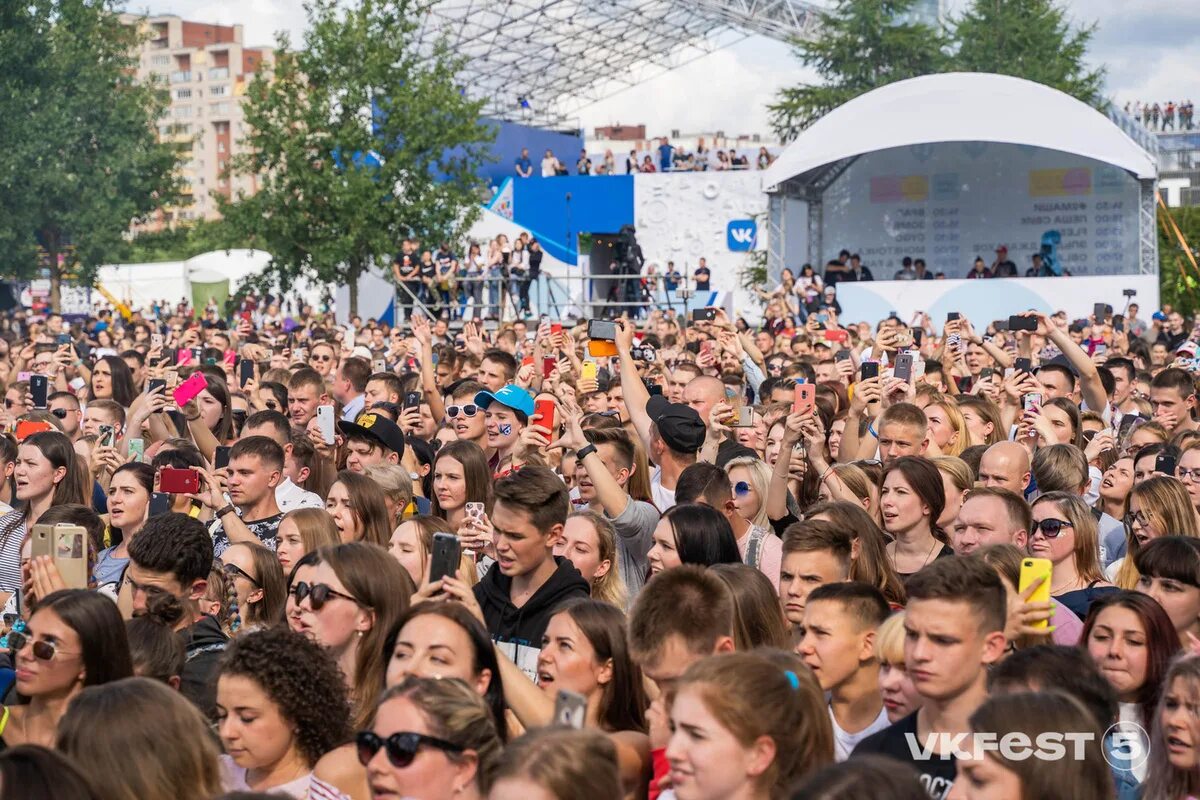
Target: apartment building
x=207, y=70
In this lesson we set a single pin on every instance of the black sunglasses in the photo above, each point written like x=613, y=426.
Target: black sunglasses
x=401, y=747
x=234, y=571
x=468, y=410
x=318, y=594
x=1051, y=528
x=61, y=413
x=42, y=651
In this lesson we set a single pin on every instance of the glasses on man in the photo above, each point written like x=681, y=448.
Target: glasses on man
x=316, y=357
x=1051, y=528
x=401, y=748
x=468, y=410
x=318, y=594
x=10, y=403
x=61, y=413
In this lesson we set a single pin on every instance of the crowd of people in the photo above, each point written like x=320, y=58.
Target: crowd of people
x=269, y=555
x=1163, y=116
x=663, y=157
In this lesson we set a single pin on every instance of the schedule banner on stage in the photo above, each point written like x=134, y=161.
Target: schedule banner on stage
x=950, y=202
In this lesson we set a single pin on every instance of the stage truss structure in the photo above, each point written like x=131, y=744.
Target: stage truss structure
x=540, y=61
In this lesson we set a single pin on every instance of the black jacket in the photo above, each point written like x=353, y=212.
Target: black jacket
x=522, y=628
x=203, y=642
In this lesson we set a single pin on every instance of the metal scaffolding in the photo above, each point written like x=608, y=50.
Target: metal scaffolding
x=541, y=61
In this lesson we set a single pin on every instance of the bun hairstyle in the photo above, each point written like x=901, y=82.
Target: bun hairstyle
x=156, y=650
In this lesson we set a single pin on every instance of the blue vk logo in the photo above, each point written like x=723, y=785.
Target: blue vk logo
x=741, y=234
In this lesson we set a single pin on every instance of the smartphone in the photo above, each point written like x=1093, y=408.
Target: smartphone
x=1033, y=400
x=1100, y=350
x=918, y=334
x=555, y=327
x=65, y=338
x=178, y=481
x=602, y=329
x=160, y=503
x=108, y=436
x=842, y=355
x=1164, y=463
x=1101, y=311
x=221, y=459
x=155, y=383
x=546, y=409
x=1023, y=365
x=704, y=314
x=903, y=367
x=745, y=417
x=196, y=353
x=837, y=335
x=706, y=348
x=601, y=348
x=869, y=369
x=570, y=709
x=325, y=422
x=806, y=397
x=39, y=387
x=245, y=371
x=412, y=400
x=66, y=545
x=1000, y=325
x=379, y=365
x=952, y=316
x=444, y=556
x=1016, y=323
x=28, y=427
x=474, y=510
x=178, y=421
x=986, y=373
x=548, y=365
x=1033, y=569
x=588, y=371
x=137, y=449
x=186, y=392
x=156, y=341
x=1118, y=324
x=230, y=358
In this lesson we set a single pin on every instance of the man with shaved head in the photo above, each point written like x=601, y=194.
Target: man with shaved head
x=1006, y=465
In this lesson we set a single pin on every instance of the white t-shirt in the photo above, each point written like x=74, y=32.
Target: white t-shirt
x=663, y=498
x=549, y=165
x=844, y=743
x=289, y=496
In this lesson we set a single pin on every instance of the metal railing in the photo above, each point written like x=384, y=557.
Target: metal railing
x=559, y=297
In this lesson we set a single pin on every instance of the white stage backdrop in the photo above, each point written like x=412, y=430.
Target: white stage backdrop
x=985, y=300
x=950, y=202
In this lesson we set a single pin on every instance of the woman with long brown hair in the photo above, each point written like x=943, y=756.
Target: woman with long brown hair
x=869, y=563
x=460, y=476
x=357, y=506
x=302, y=531
x=911, y=501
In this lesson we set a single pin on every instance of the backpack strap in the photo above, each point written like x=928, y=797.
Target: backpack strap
x=754, y=547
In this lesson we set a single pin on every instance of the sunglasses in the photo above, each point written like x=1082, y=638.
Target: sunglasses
x=318, y=594
x=1050, y=528
x=12, y=403
x=42, y=651
x=61, y=413
x=401, y=747
x=234, y=571
x=469, y=410
x=741, y=488
x=321, y=358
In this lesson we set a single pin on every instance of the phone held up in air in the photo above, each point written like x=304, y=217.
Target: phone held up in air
x=1033, y=569
x=66, y=545
x=806, y=397
x=325, y=423
x=570, y=709
x=172, y=480
x=221, y=459
x=444, y=556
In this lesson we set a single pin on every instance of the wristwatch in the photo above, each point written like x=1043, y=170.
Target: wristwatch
x=228, y=509
x=584, y=452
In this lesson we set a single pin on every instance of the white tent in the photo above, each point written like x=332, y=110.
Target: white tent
x=960, y=107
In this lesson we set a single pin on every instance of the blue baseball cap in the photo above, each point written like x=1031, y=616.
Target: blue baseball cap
x=509, y=395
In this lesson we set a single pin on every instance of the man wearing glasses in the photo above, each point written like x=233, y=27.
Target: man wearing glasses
x=171, y=557
x=65, y=406
x=465, y=416
x=323, y=358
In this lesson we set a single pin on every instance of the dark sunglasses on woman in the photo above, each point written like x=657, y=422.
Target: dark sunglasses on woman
x=318, y=594
x=1051, y=528
x=42, y=651
x=401, y=747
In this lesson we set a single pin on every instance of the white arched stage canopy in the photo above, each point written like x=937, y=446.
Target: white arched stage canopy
x=949, y=167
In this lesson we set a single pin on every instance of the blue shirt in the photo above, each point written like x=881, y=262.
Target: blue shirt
x=664, y=157
x=524, y=164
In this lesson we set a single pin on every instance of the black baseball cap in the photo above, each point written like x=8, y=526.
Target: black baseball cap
x=679, y=425
x=376, y=428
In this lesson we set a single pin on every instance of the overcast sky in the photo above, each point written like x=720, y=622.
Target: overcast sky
x=1149, y=48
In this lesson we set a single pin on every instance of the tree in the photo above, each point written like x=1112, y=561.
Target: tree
x=80, y=158
x=356, y=142
x=860, y=45
x=1178, y=276
x=1028, y=39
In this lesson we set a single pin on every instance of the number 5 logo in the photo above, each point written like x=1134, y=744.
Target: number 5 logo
x=1126, y=746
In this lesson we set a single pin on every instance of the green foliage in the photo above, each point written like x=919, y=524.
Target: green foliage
x=318, y=212
x=80, y=158
x=859, y=47
x=186, y=241
x=1030, y=39
x=1179, y=283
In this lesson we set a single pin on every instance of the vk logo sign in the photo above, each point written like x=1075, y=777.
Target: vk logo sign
x=741, y=234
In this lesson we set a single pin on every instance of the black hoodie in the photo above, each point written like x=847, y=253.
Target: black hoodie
x=519, y=631
x=204, y=642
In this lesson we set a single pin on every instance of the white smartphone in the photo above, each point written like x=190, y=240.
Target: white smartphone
x=326, y=423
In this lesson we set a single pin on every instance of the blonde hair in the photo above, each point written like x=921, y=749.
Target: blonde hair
x=136, y=739
x=767, y=693
x=1087, y=546
x=958, y=471
x=963, y=440
x=760, y=479
x=316, y=528
x=860, y=485
x=566, y=764
x=610, y=587
x=1168, y=507
x=397, y=487
x=889, y=640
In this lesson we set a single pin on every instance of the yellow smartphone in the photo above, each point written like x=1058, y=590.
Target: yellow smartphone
x=1031, y=570
x=588, y=370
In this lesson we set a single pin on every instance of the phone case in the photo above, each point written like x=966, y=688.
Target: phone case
x=1031, y=570
x=178, y=481
x=570, y=709
x=221, y=458
x=187, y=391
x=546, y=409
x=28, y=427
x=70, y=555
x=806, y=395
x=601, y=348
x=444, y=557
x=326, y=422
x=588, y=370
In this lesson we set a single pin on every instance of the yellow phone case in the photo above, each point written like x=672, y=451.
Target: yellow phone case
x=1031, y=570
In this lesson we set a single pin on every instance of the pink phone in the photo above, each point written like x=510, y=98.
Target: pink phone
x=188, y=390
x=183, y=357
